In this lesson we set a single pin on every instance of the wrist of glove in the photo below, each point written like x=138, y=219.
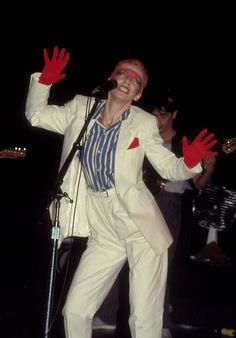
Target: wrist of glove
x=52, y=70
x=48, y=77
x=196, y=151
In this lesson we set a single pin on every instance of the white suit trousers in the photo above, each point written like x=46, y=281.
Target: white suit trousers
x=115, y=238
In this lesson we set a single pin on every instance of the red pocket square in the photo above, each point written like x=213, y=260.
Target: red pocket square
x=134, y=143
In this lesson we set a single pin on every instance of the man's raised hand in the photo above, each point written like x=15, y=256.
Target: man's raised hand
x=52, y=69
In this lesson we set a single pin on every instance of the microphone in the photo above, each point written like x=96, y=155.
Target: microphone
x=102, y=90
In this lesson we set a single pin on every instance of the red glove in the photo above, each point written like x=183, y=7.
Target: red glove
x=198, y=149
x=52, y=70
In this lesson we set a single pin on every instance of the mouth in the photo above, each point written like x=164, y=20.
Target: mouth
x=123, y=89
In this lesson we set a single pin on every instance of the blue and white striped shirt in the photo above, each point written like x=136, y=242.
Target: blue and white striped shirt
x=99, y=153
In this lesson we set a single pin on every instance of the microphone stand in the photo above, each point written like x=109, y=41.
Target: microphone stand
x=56, y=195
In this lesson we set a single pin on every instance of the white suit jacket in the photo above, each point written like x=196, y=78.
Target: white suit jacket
x=131, y=189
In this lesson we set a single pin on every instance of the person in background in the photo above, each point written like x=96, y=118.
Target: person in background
x=111, y=202
x=168, y=194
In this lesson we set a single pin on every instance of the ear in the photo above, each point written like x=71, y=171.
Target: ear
x=175, y=114
x=137, y=97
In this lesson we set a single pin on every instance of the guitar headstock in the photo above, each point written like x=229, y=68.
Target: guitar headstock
x=229, y=145
x=13, y=153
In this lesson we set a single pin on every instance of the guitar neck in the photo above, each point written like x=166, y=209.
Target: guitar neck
x=13, y=153
x=227, y=147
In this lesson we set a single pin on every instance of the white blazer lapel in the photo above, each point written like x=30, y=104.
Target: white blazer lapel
x=127, y=134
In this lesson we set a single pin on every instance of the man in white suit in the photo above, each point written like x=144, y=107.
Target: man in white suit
x=111, y=203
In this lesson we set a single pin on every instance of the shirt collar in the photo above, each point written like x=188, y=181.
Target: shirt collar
x=123, y=117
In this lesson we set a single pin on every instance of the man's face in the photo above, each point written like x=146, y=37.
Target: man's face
x=131, y=78
x=165, y=119
x=126, y=73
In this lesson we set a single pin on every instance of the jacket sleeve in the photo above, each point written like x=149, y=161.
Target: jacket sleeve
x=163, y=160
x=51, y=117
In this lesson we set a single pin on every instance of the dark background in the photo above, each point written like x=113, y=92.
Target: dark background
x=190, y=49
